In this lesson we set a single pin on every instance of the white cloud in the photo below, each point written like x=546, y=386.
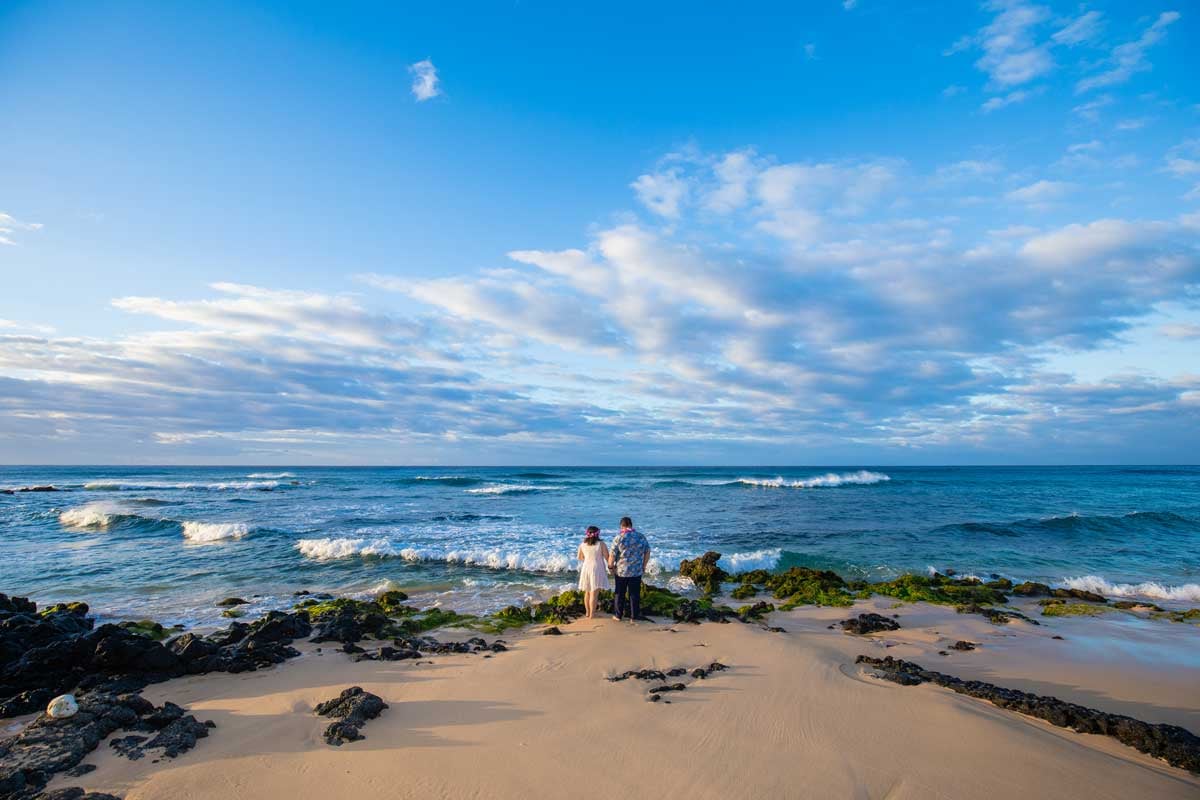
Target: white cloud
x=1011, y=53
x=425, y=85
x=1003, y=101
x=1079, y=244
x=734, y=172
x=9, y=226
x=968, y=170
x=1130, y=58
x=1040, y=192
x=1083, y=28
x=1181, y=331
x=849, y=4
x=1090, y=110
x=953, y=90
x=661, y=192
x=1183, y=160
x=792, y=303
x=1135, y=124
x=810, y=51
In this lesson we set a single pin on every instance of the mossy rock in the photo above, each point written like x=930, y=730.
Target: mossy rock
x=1190, y=616
x=1031, y=589
x=753, y=576
x=392, y=603
x=76, y=608
x=1064, y=609
x=229, y=602
x=435, y=618
x=999, y=584
x=704, y=572
x=562, y=608
x=659, y=602
x=755, y=612
x=744, y=592
x=146, y=627
x=316, y=610
x=940, y=589
x=801, y=586
x=1135, y=605
x=233, y=613
x=505, y=619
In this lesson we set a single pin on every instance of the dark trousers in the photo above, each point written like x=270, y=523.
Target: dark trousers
x=629, y=596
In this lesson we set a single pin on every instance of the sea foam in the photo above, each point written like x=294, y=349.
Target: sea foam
x=861, y=477
x=347, y=547
x=214, y=531
x=215, y=486
x=1188, y=592
x=757, y=559
x=510, y=488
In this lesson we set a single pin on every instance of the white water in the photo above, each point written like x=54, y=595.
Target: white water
x=93, y=516
x=510, y=488
x=862, y=477
x=1188, y=592
x=214, y=531
x=217, y=486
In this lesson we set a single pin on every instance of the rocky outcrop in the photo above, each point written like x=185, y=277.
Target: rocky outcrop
x=47, y=745
x=864, y=624
x=703, y=610
x=352, y=708
x=1177, y=746
x=1078, y=594
x=57, y=650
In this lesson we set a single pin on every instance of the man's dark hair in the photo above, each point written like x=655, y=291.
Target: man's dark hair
x=626, y=522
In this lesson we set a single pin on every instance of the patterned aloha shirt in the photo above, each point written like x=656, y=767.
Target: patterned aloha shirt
x=629, y=551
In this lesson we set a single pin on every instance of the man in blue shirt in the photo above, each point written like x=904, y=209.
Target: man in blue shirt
x=628, y=557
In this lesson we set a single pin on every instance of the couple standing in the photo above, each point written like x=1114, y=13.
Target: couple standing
x=627, y=559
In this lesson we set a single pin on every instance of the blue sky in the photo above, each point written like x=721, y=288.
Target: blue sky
x=827, y=232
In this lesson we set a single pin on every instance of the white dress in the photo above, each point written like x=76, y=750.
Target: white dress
x=593, y=572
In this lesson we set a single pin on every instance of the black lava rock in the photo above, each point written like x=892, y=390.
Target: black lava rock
x=869, y=623
x=352, y=708
x=1177, y=746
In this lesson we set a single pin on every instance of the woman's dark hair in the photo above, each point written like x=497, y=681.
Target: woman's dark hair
x=592, y=535
x=626, y=522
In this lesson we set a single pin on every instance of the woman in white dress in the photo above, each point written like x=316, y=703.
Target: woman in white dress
x=593, y=569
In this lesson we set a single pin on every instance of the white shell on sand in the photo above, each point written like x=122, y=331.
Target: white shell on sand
x=62, y=706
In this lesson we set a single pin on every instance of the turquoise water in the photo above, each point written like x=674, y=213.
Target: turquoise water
x=168, y=542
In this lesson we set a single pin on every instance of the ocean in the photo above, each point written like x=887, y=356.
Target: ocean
x=168, y=542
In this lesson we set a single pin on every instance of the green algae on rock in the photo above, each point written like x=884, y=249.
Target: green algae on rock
x=146, y=627
x=704, y=572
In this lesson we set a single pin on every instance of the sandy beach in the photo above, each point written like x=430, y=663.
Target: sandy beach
x=792, y=716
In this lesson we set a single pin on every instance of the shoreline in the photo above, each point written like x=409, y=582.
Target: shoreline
x=794, y=714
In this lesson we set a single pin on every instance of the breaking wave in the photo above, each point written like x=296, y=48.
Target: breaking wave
x=95, y=516
x=758, y=559
x=346, y=547
x=270, y=475
x=217, y=486
x=1186, y=593
x=214, y=531
x=511, y=488
x=443, y=480
x=861, y=477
